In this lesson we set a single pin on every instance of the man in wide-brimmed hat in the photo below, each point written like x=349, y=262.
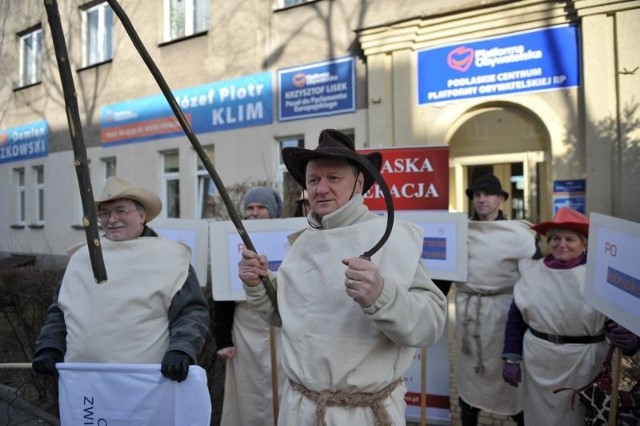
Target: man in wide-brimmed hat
x=349, y=324
x=482, y=302
x=127, y=319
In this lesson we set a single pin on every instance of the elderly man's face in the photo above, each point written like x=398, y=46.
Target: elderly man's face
x=331, y=184
x=486, y=205
x=121, y=220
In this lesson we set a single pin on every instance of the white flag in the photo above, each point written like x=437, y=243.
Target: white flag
x=131, y=394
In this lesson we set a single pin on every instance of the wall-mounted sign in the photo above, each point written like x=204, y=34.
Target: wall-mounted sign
x=324, y=88
x=231, y=104
x=569, y=193
x=24, y=142
x=418, y=178
x=532, y=61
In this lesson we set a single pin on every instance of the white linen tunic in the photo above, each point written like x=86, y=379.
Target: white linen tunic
x=248, y=385
x=130, y=309
x=482, y=305
x=552, y=301
x=331, y=343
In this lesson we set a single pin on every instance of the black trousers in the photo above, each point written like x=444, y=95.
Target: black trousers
x=469, y=414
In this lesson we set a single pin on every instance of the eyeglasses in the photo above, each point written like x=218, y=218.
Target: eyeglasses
x=119, y=213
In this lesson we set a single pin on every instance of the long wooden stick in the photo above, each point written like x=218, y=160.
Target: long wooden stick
x=90, y=220
x=273, y=347
x=423, y=386
x=15, y=365
x=164, y=87
x=616, y=360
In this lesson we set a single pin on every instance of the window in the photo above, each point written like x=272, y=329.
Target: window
x=38, y=174
x=289, y=3
x=171, y=184
x=206, y=190
x=185, y=17
x=109, y=167
x=97, y=24
x=20, y=196
x=30, y=57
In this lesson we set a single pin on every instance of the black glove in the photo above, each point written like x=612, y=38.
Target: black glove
x=45, y=362
x=175, y=365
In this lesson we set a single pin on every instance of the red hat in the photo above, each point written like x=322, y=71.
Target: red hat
x=565, y=218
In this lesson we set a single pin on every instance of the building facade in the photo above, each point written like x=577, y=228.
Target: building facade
x=543, y=94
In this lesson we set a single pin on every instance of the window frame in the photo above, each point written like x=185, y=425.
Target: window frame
x=39, y=194
x=21, y=196
x=169, y=177
x=104, y=42
x=32, y=75
x=202, y=176
x=189, y=22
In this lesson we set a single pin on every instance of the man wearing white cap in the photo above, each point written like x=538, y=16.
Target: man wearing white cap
x=150, y=310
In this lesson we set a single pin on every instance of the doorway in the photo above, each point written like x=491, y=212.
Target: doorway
x=509, y=143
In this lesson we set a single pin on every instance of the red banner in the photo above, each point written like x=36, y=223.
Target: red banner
x=417, y=177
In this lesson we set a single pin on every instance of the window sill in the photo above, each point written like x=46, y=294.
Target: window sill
x=293, y=6
x=36, y=225
x=18, y=88
x=16, y=226
x=97, y=64
x=179, y=39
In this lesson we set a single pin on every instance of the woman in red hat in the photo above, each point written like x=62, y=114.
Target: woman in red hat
x=552, y=330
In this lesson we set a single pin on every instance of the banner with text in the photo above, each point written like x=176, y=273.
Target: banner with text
x=24, y=142
x=231, y=104
x=543, y=59
x=315, y=90
x=418, y=178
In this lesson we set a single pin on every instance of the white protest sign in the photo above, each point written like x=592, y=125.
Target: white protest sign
x=194, y=233
x=444, y=249
x=613, y=269
x=269, y=237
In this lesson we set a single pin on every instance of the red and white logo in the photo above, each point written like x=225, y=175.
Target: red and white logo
x=460, y=58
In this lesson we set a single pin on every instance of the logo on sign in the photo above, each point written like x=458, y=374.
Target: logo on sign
x=299, y=79
x=460, y=58
x=3, y=139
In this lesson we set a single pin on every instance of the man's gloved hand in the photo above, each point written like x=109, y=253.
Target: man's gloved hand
x=175, y=365
x=511, y=373
x=45, y=361
x=622, y=338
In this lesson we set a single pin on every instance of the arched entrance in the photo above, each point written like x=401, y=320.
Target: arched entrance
x=509, y=142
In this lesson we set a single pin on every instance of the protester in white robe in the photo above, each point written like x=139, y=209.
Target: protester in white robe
x=556, y=335
x=349, y=324
x=151, y=309
x=482, y=302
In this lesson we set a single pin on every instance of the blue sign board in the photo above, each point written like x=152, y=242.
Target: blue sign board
x=315, y=90
x=24, y=142
x=544, y=59
x=569, y=193
x=230, y=104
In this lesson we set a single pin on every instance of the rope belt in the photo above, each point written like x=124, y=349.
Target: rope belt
x=561, y=340
x=326, y=399
x=466, y=319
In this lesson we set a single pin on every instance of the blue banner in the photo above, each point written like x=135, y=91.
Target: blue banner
x=325, y=88
x=544, y=59
x=24, y=142
x=230, y=104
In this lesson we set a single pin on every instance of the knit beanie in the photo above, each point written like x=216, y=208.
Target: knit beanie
x=268, y=197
